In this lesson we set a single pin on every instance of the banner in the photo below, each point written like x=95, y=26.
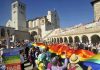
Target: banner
x=12, y=59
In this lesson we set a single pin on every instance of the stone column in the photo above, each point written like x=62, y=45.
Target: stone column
x=89, y=37
x=80, y=38
x=73, y=39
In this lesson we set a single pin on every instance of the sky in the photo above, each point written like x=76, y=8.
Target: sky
x=71, y=12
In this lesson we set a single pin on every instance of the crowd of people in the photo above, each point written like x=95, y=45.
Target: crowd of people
x=43, y=59
x=88, y=46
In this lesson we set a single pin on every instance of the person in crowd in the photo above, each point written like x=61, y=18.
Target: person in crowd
x=48, y=55
x=37, y=52
x=1, y=53
x=98, y=49
x=56, y=66
x=41, y=61
x=29, y=56
x=2, y=65
x=49, y=65
x=22, y=59
x=32, y=56
x=73, y=65
x=86, y=46
x=26, y=52
x=89, y=47
x=17, y=44
x=60, y=60
x=94, y=49
x=50, y=62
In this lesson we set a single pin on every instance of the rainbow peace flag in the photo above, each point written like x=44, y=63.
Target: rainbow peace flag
x=40, y=45
x=63, y=48
x=11, y=56
x=84, y=54
x=94, y=62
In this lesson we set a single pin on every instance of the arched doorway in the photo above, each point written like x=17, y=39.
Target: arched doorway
x=2, y=32
x=57, y=40
x=65, y=40
x=95, y=39
x=54, y=40
x=33, y=34
x=61, y=40
x=70, y=39
x=76, y=38
x=85, y=39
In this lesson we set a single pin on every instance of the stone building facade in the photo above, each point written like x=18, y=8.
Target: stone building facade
x=18, y=16
x=6, y=34
x=39, y=25
x=9, y=34
x=89, y=33
x=6, y=31
x=96, y=7
x=48, y=27
x=43, y=25
x=84, y=33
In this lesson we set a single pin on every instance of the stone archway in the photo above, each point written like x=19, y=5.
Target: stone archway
x=61, y=40
x=65, y=40
x=58, y=40
x=70, y=39
x=85, y=39
x=76, y=38
x=54, y=40
x=95, y=39
x=33, y=34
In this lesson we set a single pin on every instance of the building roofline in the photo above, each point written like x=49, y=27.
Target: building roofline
x=22, y=31
x=94, y=1
x=36, y=18
x=7, y=27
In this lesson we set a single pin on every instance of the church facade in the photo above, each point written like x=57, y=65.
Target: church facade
x=41, y=26
x=38, y=27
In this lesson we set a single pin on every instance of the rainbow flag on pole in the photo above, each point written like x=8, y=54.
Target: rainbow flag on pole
x=12, y=59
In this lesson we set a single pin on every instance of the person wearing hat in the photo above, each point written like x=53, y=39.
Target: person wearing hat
x=41, y=61
x=73, y=65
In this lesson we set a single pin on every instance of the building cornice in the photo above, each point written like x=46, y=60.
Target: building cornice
x=94, y=1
